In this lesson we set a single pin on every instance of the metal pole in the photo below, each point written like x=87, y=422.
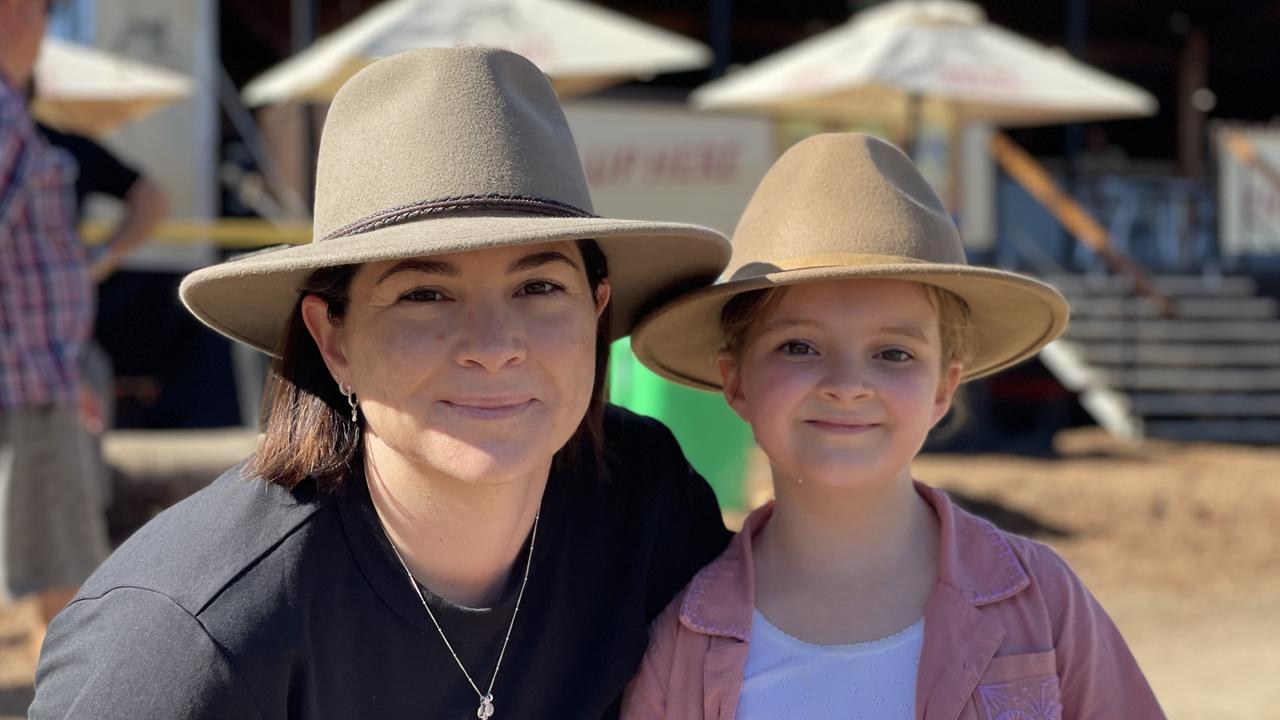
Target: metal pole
x=302, y=16
x=1077, y=27
x=720, y=35
x=302, y=33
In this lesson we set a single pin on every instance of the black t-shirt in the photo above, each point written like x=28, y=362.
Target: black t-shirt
x=100, y=171
x=249, y=601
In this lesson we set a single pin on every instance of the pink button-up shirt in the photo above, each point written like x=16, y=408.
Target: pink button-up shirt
x=1010, y=634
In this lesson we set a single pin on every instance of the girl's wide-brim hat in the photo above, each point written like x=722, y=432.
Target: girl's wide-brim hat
x=449, y=150
x=844, y=206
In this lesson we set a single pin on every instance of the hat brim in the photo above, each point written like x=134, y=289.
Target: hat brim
x=250, y=299
x=1013, y=316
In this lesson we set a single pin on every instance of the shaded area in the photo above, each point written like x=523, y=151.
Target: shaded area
x=1008, y=519
x=14, y=701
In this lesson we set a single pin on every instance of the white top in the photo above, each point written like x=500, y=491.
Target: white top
x=789, y=678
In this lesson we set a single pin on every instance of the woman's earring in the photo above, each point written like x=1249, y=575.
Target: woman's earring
x=352, y=401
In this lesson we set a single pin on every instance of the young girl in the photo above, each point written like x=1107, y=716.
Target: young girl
x=840, y=332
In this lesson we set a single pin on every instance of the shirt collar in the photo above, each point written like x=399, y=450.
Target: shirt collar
x=974, y=558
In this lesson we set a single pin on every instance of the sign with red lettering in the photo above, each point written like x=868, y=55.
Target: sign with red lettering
x=1248, y=191
x=661, y=161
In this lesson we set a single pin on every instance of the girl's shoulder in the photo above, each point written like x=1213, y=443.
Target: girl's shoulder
x=1047, y=570
x=1025, y=569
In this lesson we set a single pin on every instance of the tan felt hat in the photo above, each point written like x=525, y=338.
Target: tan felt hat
x=841, y=206
x=447, y=150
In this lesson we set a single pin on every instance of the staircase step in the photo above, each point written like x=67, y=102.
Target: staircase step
x=1172, y=285
x=1240, y=431
x=1181, y=354
x=1229, y=308
x=1207, y=405
x=1175, y=330
x=1192, y=379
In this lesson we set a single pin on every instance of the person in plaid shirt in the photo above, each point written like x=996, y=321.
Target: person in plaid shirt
x=52, y=531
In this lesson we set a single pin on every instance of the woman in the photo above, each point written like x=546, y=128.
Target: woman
x=442, y=519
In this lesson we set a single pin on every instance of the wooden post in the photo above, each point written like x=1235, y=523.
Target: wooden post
x=1193, y=72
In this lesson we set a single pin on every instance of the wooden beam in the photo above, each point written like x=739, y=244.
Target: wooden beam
x=1037, y=181
x=1184, y=354
x=1204, y=405
x=1162, y=330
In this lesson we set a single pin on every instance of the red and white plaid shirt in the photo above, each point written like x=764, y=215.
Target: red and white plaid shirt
x=46, y=295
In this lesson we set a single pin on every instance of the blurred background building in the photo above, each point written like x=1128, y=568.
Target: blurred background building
x=1161, y=222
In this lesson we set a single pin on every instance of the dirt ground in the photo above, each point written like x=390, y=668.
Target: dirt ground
x=1180, y=543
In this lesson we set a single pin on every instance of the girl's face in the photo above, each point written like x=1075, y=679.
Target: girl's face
x=477, y=365
x=843, y=381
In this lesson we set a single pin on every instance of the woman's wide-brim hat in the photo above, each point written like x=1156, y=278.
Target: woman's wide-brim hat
x=440, y=151
x=844, y=206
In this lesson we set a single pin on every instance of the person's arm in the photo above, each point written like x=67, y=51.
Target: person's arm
x=145, y=206
x=135, y=653
x=1098, y=675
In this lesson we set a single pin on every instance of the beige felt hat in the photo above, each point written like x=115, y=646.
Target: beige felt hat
x=440, y=151
x=849, y=206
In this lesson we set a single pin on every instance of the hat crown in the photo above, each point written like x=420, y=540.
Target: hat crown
x=445, y=125
x=842, y=194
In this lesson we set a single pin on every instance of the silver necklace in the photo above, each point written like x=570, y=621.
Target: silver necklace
x=485, y=711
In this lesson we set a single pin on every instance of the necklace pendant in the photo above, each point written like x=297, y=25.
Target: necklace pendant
x=485, y=710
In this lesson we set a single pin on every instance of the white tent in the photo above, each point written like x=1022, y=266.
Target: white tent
x=881, y=62
x=581, y=47
x=89, y=91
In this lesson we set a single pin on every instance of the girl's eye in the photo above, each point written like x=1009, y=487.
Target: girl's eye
x=423, y=295
x=895, y=355
x=797, y=347
x=539, y=287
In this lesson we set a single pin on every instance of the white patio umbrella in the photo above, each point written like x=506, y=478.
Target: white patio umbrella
x=581, y=47
x=878, y=65
x=86, y=90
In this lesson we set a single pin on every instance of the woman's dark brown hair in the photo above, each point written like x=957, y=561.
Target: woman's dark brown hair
x=307, y=427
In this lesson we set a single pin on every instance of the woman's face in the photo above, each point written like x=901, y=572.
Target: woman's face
x=476, y=365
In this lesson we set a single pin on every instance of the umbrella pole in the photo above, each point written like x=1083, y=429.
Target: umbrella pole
x=915, y=111
x=302, y=33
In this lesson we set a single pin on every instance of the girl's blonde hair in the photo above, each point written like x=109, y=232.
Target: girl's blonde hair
x=747, y=310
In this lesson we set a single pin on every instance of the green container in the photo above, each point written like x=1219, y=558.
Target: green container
x=715, y=440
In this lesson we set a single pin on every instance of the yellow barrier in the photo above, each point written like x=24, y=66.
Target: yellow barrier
x=228, y=233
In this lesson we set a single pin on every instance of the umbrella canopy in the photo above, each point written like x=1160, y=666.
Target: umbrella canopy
x=876, y=66
x=89, y=91
x=581, y=47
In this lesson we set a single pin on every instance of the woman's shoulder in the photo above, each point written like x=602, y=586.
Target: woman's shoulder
x=192, y=551
x=629, y=433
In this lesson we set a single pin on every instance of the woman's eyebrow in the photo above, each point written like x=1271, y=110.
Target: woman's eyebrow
x=436, y=267
x=529, y=262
